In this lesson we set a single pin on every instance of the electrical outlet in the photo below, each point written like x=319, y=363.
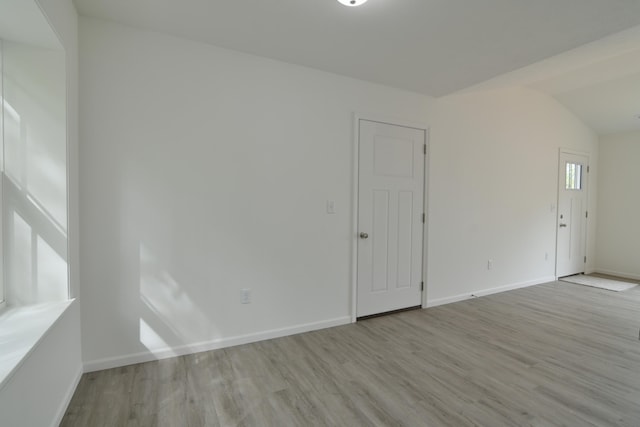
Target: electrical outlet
x=245, y=296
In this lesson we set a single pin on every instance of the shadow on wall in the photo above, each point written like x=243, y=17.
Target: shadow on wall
x=34, y=199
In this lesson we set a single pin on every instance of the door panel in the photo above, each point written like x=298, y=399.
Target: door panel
x=390, y=208
x=405, y=239
x=380, y=241
x=572, y=214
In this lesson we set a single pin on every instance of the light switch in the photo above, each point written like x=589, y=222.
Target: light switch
x=331, y=207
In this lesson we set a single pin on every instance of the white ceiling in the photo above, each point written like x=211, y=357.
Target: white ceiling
x=604, y=94
x=435, y=47
x=21, y=21
x=609, y=106
x=599, y=81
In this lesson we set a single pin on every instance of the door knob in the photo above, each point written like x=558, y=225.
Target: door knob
x=562, y=225
x=364, y=236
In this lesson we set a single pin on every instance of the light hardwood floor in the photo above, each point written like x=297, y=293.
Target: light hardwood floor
x=549, y=355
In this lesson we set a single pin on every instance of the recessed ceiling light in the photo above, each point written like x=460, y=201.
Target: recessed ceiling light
x=352, y=2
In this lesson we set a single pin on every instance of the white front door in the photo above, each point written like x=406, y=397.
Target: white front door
x=572, y=214
x=390, y=217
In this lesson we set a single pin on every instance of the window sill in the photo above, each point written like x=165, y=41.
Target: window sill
x=21, y=329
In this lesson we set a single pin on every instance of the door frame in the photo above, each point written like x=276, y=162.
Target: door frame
x=394, y=121
x=562, y=151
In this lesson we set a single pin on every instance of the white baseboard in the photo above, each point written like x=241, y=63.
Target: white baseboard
x=620, y=274
x=67, y=398
x=490, y=291
x=147, y=356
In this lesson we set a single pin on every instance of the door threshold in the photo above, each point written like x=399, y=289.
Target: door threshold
x=569, y=275
x=388, y=313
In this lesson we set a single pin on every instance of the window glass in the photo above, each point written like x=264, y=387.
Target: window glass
x=33, y=173
x=573, y=176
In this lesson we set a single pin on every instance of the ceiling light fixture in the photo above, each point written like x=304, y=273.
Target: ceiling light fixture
x=352, y=2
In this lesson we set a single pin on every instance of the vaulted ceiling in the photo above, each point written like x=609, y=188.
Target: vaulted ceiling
x=22, y=22
x=605, y=94
x=599, y=82
x=435, y=47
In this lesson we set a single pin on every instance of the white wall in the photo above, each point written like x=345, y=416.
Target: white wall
x=618, y=240
x=39, y=391
x=205, y=171
x=63, y=18
x=493, y=190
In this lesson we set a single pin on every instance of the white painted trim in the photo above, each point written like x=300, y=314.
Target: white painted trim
x=577, y=153
x=621, y=274
x=490, y=291
x=425, y=208
x=562, y=151
x=394, y=121
x=397, y=121
x=20, y=342
x=354, y=214
x=67, y=115
x=67, y=398
x=165, y=353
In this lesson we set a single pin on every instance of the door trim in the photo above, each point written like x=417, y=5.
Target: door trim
x=394, y=121
x=562, y=151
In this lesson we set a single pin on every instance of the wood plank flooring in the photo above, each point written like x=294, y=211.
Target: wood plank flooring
x=556, y=354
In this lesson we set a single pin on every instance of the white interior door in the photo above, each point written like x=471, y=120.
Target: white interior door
x=572, y=214
x=390, y=217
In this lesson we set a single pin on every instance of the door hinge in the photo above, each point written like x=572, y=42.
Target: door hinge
x=425, y=149
x=424, y=218
x=585, y=259
x=588, y=169
x=421, y=286
x=586, y=214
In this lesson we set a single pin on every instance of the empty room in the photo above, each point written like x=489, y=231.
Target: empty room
x=319, y=213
